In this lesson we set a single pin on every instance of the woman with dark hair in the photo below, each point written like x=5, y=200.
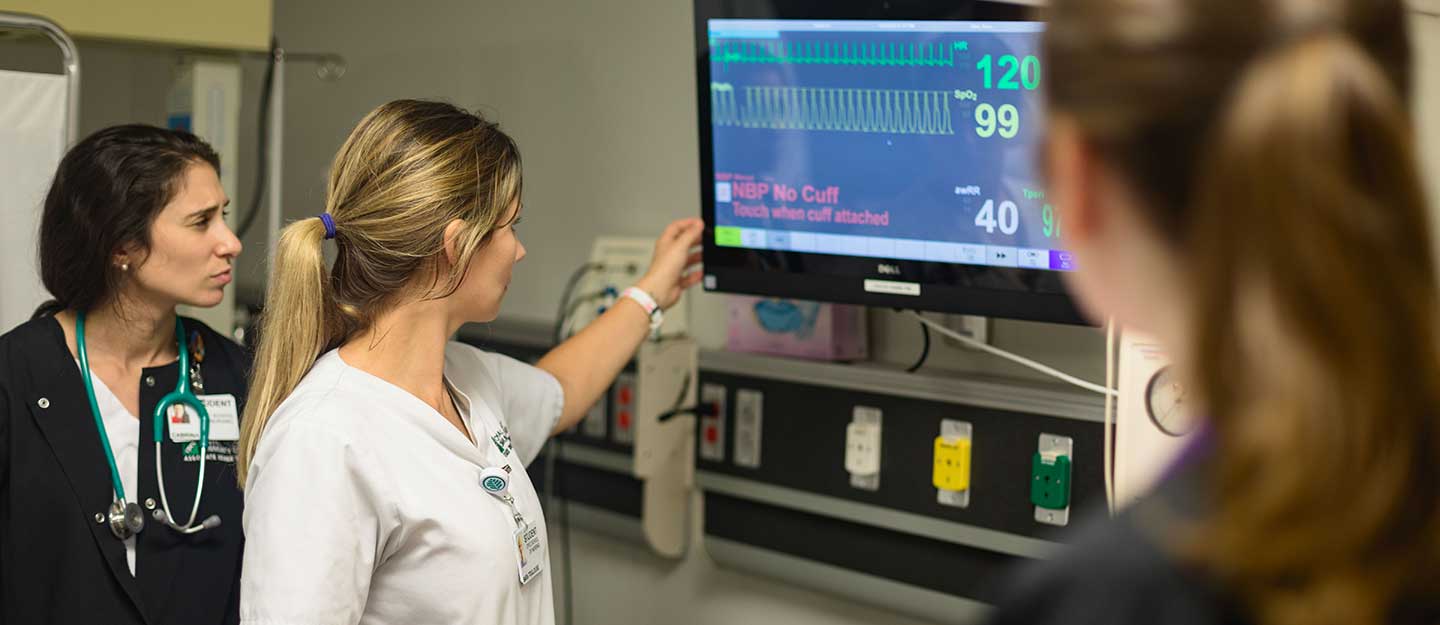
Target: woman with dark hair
x=133, y=226
x=1240, y=179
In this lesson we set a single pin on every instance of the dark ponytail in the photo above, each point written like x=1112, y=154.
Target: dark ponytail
x=106, y=193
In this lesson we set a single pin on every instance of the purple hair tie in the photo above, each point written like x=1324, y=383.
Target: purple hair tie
x=329, y=225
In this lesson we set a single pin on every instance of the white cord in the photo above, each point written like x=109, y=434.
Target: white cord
x=1109, y=467
x=1055, y=373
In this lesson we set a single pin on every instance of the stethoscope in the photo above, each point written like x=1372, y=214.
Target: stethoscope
x=125, y=518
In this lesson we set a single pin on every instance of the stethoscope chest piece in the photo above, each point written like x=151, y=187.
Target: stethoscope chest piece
x=126, y=520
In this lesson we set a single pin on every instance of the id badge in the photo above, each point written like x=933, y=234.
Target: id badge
x=529, y=552
x=184, y=422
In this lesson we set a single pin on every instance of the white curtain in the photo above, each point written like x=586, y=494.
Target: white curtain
x=32, y=140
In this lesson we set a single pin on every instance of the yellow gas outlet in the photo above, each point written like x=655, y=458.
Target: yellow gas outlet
x=952, y=464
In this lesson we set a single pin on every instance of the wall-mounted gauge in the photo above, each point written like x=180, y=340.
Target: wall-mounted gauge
x=1165, y=403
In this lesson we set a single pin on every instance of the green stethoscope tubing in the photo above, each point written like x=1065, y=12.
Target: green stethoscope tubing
x=182, y=395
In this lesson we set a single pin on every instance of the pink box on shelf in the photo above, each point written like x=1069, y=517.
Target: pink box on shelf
x=797, y=328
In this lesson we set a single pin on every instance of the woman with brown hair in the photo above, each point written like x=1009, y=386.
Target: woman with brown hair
x=133, y=226
x=384, y=465
x=1240, y=179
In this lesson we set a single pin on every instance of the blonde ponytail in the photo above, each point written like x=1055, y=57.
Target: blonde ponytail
x=408, y=170
x=296, y=326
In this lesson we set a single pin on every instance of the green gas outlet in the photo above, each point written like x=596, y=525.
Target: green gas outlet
x=1050, y=482
x=1050, y=477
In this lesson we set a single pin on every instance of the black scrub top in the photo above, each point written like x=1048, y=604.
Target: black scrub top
x=57, y=564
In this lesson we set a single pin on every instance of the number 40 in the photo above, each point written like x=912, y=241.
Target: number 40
x=1008, y=219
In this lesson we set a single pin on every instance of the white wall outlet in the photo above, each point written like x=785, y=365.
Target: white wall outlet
x=862, y=448
x=749, y=427
x=712, y=426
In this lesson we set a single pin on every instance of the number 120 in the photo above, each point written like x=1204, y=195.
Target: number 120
x=1028, y=69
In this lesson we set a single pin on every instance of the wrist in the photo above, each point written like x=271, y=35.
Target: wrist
x=652, y=289
x=633, y=304
x=646, y=301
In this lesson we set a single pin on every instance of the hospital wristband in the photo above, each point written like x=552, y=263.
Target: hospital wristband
x=657, y=316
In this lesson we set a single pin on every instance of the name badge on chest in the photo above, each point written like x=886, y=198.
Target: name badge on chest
x=184, y=422
x=529, y=551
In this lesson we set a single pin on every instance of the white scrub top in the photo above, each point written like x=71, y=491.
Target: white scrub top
x=123, y=430
x=364, y=505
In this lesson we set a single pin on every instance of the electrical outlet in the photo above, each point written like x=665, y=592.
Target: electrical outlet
x=749, y=425
x=951, y=473
x=712, y=426
x=624, y=432
x=862, y=448
x=1050, y=477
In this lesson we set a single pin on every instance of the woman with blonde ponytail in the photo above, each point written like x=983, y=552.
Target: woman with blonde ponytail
x=1239, y=178
x=384, y=466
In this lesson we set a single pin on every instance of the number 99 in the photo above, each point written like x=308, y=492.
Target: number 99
x=988, y=120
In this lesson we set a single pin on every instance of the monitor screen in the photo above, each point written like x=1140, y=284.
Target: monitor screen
x=887, y=161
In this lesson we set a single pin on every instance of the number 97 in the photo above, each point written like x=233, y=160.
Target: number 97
x=988, y=120
x=1051, y=221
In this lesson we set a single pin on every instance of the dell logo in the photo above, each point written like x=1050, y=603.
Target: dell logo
x=889, y=270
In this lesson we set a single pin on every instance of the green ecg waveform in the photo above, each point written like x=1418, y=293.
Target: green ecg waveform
x=827, y=53
x=892, y=111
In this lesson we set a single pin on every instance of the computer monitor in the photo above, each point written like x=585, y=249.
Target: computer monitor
x=879, y=153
